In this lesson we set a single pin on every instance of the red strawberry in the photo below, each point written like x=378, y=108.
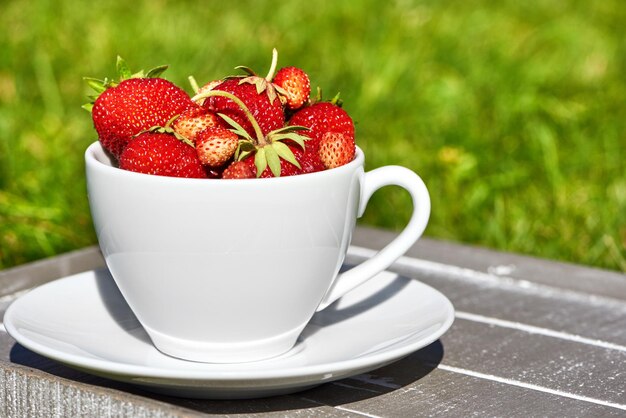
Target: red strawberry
x=336, y=149
x=239, y=170
x=216, y=145
x=308, y=163
x=161, y=154
x=207, y=87
x=294, y=83
x=268, y=113
x=323, y=117
x=194, y=120
x=133, y=106
x=257, y=93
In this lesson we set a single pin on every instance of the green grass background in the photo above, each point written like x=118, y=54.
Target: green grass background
x=512, y=112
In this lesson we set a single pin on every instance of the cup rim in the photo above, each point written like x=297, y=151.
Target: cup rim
x=94, y=163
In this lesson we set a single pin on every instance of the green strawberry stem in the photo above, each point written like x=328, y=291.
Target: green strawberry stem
x=270, y=74
x=257, y=129
x=194, y=84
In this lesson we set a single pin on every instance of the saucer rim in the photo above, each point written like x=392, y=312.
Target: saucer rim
x=112, y=368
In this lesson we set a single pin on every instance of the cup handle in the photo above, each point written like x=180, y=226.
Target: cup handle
x=372, y=181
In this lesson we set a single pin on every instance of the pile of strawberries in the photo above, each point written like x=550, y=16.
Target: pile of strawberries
x=238, y=127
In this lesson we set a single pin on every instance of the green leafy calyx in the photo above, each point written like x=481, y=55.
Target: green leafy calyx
x=123, y=73
x=262, y=84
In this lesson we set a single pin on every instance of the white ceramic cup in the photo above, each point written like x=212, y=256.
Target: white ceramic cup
x=232, y=270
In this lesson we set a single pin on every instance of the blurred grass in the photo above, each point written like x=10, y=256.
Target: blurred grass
x=512, y=112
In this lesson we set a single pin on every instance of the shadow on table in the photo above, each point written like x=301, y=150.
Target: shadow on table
x=387, y=379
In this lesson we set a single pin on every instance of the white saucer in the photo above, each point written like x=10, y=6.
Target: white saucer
x=84, y=322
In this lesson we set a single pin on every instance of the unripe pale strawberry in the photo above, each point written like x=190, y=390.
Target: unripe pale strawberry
x=194, y=120
x=216, y=145
x=295, y=85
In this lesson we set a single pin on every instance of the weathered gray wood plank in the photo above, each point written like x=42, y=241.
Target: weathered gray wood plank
x=575, y=313
x=33, y=274
x=556, y=306
x=27, y=392
x=572, y=368
x=536, y=270
x=447, y=394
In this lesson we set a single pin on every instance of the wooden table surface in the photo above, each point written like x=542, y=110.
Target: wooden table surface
x=531, y=337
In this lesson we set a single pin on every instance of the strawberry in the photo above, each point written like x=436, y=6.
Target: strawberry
x=216, y=145
x=322, y=117
x=161, y=154
x=269, y=114
x=239, y=170
x=336, y=149
x=136, y=103
x=194, y=120
x=295, y=85
x=207, y=87
x=257, y=93
x=307, y=162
